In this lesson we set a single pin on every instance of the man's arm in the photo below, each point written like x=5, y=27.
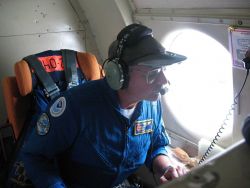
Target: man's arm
x=159, y=162
x=165, y=170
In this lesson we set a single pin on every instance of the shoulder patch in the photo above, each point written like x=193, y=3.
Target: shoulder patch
x=43, y=125
x=58, y=107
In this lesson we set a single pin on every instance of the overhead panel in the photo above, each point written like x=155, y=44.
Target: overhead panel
x=230, y=12
x=139, y=4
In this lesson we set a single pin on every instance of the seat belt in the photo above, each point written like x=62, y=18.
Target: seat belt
x=69, y=61
x=50, y=88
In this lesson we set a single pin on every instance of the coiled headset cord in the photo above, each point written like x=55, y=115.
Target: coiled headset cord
x=222, y=127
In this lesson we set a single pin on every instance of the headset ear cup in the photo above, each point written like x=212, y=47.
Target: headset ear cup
x=114, y=74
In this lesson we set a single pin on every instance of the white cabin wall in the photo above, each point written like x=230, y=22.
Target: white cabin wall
x=106, y=20
x=32, y=26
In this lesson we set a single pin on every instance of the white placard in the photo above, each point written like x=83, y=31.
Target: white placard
x=239, y=40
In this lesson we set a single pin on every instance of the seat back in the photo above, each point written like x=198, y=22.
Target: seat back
x=25, y=98
x=18, y=90
x=17, y=106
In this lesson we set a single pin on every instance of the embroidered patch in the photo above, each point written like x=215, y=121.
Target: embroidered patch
x=42, y=125
x=144, y=126
x=58, y=107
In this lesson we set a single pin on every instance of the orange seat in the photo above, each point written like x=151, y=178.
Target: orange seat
x=17, y=106
x=17, y=89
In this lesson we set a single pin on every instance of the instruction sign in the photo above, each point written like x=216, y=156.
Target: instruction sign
x=239, y=40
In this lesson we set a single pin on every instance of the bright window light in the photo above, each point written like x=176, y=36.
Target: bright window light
x=201, y=91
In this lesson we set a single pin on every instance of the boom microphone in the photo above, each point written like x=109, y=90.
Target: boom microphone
x=163, y=90
x=246, y=130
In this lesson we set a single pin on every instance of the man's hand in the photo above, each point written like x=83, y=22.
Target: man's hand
x=172, y=173
x=165, y=170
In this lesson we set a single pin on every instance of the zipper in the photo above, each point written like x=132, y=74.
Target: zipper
x=124, y=150
x=125, y=145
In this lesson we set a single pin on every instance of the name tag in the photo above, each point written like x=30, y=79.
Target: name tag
x=142, y=127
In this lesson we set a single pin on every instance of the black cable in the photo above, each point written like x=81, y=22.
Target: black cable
x=218, y=134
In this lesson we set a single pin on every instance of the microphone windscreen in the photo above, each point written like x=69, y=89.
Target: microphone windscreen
x=246, y=130
x=163, y=90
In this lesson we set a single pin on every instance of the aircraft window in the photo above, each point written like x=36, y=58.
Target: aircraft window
x=201, y=91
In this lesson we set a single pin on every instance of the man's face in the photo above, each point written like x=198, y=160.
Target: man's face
x=146, y=82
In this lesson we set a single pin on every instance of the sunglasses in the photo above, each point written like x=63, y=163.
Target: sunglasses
x=152, y=75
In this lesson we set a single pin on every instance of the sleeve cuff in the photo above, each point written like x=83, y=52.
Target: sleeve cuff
x=159, y=151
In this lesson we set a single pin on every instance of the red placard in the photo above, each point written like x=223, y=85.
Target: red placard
x=52, y=63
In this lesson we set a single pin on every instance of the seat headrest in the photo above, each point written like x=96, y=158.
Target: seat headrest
x=89, y=65
x=23, y=77
x=86, y=61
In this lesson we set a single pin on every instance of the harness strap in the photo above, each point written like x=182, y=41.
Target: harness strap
x=69, y=60
x=51, y=89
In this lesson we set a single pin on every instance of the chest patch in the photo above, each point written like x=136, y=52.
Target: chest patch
x=43, y=125
x=58, y=107
x=143, y=126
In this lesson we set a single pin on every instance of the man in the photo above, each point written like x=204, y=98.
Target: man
x=97, y=134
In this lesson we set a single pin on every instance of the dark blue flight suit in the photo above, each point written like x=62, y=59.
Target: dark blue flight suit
x=93, y=143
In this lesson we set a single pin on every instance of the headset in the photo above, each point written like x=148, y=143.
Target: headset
x=116, y=70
